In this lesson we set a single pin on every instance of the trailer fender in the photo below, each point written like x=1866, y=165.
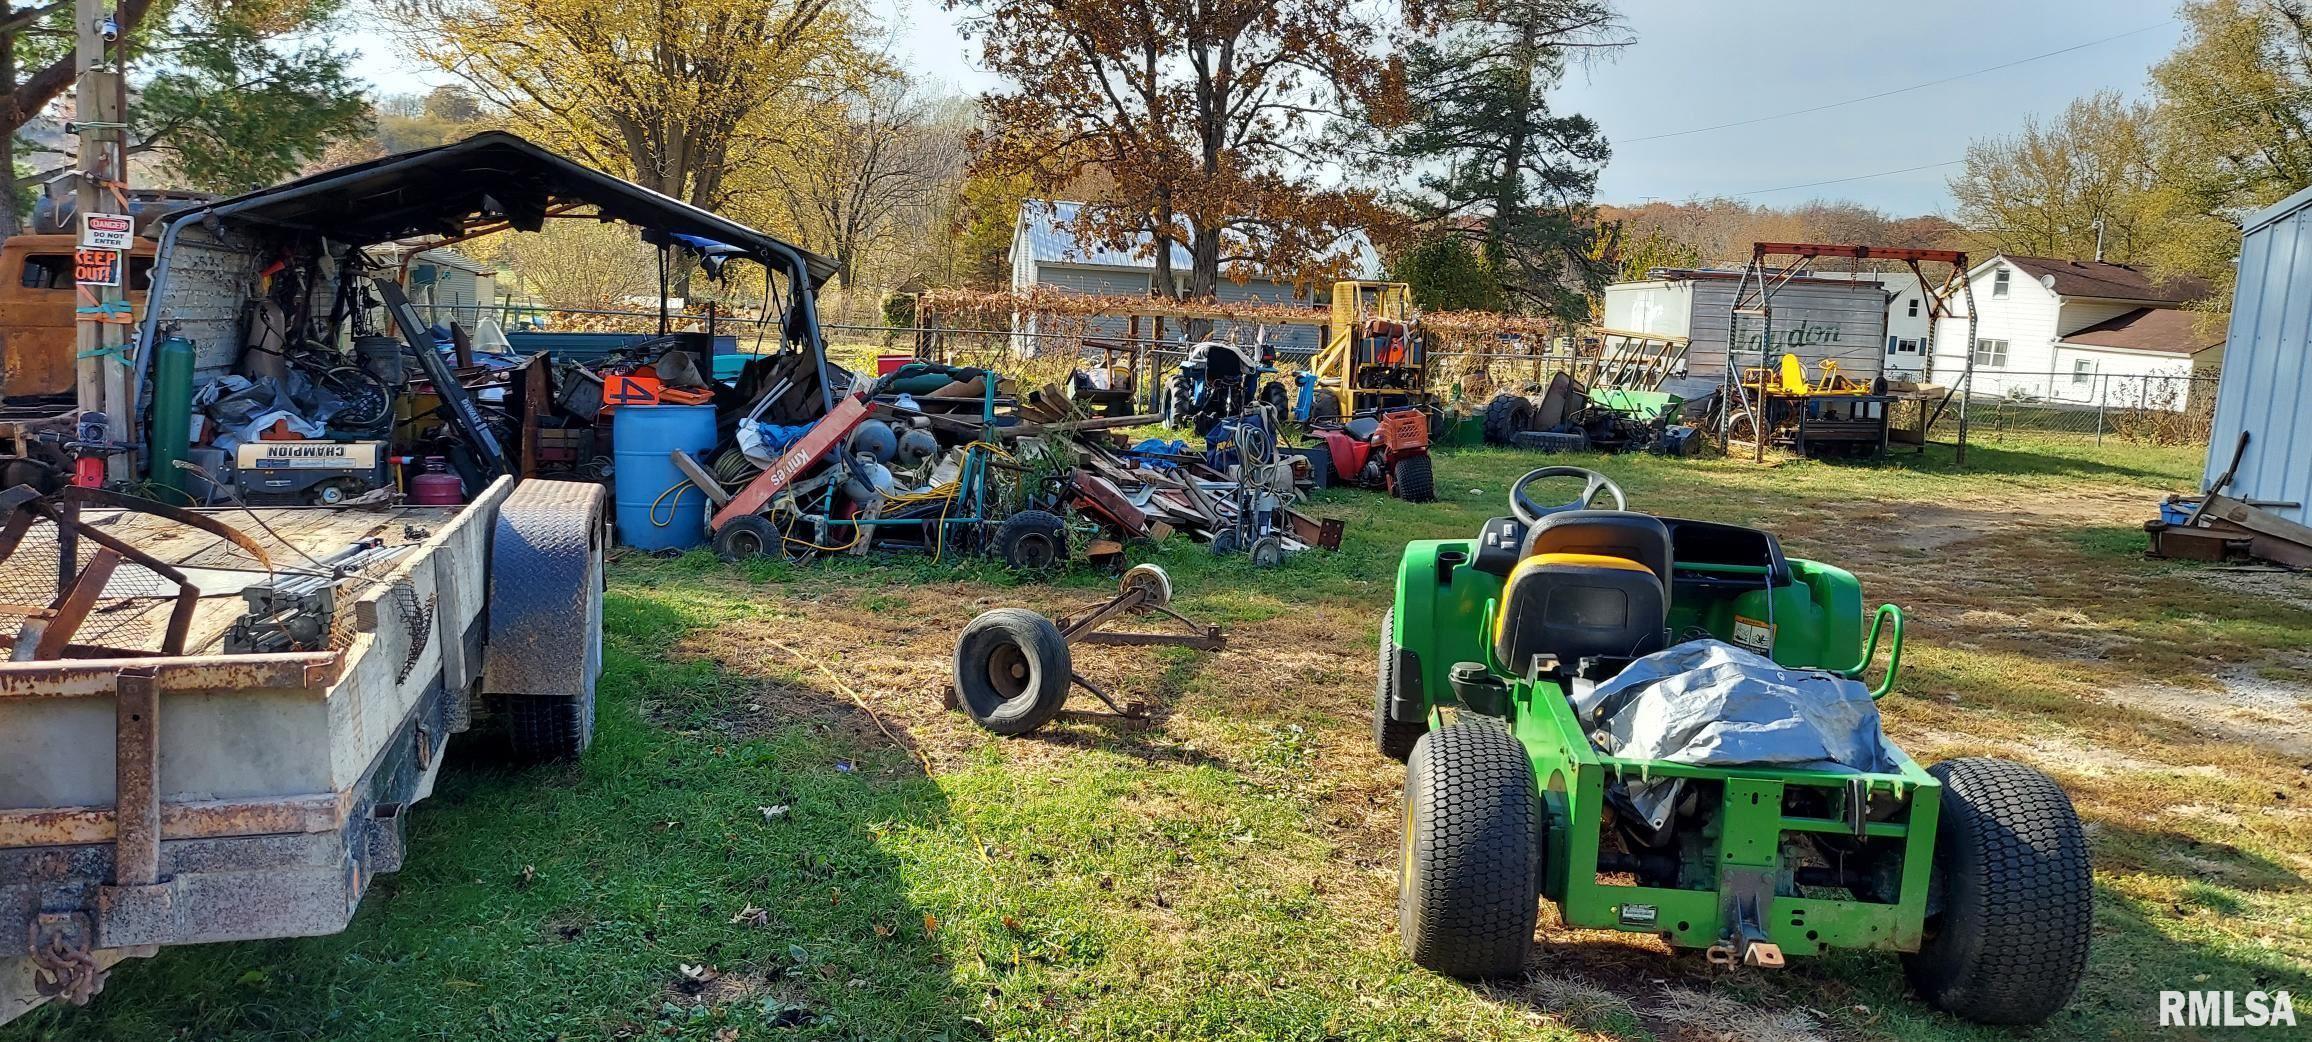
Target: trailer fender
x=546, y=573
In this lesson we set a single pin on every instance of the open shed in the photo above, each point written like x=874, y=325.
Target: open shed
x=2266, y=388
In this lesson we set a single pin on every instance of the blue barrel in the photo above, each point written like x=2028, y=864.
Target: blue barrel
x=658, y=508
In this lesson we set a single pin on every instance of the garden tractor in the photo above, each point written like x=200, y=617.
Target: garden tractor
x=1660, y=726
x=1388, y=450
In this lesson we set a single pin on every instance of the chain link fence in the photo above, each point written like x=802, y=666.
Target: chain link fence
x=2145, y=409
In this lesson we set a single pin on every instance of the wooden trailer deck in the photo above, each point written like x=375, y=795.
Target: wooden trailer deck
x=134, y=611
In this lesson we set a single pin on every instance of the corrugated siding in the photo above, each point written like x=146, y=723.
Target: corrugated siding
x=1098, y=282
x=2267, y=384
x=1846, y=321
x=1288, y=339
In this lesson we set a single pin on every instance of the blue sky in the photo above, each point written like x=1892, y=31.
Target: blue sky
x=1699, y=63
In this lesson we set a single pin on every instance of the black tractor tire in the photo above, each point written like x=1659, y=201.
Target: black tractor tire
x=1468, y=891
x=1179, y=398
x=1031, y=541
x=2012, y=902
x=1324, y=405
x=751, y=535
x=546, y=728
x=1273, y=395
x=1412, y=480
x=1011, y=670
x=1394, y=737
x=1505, y=417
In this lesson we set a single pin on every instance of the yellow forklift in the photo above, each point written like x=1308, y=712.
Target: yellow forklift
x=1374, y=358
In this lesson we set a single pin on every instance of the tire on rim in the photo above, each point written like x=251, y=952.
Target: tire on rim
x=1412, y=480
x=750, y=535
x=1011, y=670
x=1395, y=738
x=2012, y=901
x=1468, y=883
x=1505, y=416
x=1031, y=541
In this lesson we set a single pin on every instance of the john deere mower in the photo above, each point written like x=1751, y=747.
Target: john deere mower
x=1661, y=726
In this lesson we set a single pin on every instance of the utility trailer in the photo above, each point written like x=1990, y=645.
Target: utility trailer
x=213, y=722
x=151, y=798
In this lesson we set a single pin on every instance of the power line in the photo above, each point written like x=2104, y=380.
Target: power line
x=1892, y=93
x=1843, y=180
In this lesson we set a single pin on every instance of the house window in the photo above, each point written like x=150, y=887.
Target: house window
x=2082, y=371
x=1914, y=307
x=1908, y=346
x=1991, y=353
x=1999, y=282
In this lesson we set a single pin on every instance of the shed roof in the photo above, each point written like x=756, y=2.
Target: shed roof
x=1047, y=229
x=452, y=189
x=2167, y=330
x=2078, y=278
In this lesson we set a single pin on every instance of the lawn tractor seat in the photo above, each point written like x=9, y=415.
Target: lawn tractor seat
x=1579, y=605
x=1625, y=534
x=1361, y=428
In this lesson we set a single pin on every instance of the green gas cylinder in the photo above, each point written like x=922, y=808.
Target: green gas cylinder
x=172, y=426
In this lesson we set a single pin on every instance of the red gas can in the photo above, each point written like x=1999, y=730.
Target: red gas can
x=436, y=486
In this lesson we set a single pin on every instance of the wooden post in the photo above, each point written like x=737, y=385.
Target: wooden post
x=101, y=383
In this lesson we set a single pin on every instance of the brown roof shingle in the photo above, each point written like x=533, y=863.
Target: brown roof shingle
x=2078, y=278
x=2168, y=330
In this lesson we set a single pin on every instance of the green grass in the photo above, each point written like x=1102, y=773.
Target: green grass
x=1225, y=871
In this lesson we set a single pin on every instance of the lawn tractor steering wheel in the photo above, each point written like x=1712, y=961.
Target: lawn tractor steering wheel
x=1592, y=483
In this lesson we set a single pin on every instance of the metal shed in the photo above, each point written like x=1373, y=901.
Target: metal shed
x=1814, y=318
x=2266, y=387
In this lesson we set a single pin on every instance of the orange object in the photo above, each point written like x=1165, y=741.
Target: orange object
x=640, y=387
x=279, y=431
x=684, y=396
x=1404, y=429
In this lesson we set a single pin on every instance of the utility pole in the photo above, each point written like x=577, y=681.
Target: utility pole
x=102, y=321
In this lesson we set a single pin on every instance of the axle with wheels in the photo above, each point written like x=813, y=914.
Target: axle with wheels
x=1013, y=667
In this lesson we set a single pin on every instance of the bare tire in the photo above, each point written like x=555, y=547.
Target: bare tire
x=1395, y=738
x=1505, y=416
x=2012, y=901
x=1468, y=888
x=1011, y=670
x=1031, y=541
x=1412, y=480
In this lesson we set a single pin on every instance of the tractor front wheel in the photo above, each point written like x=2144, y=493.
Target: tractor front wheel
x=1394, y=737
x=1412, y=480
x=1468, y=887
x=2012, y=900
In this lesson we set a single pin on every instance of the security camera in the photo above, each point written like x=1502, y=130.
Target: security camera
x=109, y=29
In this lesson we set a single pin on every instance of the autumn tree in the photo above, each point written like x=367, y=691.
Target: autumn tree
x=675, y=95
x=1207, y=116
x=2058, y=189
x=225, y=95
x=883, y=164
x=1495, y=164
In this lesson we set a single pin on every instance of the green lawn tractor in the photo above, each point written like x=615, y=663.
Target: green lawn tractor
x=1525, y=678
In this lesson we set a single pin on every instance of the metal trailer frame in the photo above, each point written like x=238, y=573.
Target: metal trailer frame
x=1758, y=283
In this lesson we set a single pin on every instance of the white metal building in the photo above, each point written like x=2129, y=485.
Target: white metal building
x=1814, y=318
x=2266, y=389
x=1046, y=252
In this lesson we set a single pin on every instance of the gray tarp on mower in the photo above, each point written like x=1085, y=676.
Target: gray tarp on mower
x=1710, y=703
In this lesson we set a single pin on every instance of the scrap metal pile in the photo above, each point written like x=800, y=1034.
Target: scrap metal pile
x=958, y=460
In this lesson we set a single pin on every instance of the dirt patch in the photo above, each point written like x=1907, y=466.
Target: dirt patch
x=2244, y=708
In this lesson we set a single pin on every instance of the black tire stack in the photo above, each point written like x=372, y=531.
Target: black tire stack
x=1507, y=416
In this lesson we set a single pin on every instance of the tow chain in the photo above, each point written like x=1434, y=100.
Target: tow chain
x=63, y=969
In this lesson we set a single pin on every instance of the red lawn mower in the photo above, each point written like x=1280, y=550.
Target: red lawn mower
x=1388, y=449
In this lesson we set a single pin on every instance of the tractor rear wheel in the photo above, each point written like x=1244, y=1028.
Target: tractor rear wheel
x=1412, y=480
x=1394, y=737
x=1011, y=670
x=2012, y=900
x=1031, y=541
x=1468, y=887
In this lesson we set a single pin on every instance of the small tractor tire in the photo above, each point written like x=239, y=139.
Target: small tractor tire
x=1468, y=890
x=1267, y=552
x=1506, y=416
x=750, y=535
x=1031, y=541
x=1011, y=670
x=1412, y=480
x=1324, y=405
x=1273, y=395
x=1394, y=737
x=2011, y=905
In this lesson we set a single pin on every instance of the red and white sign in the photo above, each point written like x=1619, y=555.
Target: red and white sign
x=107, y=231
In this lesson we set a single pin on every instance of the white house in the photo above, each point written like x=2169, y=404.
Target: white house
x=1046, y=252
x=2070, y=330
